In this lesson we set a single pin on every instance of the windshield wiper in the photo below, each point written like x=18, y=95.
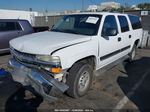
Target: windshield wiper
x=71, y=31
x=66, y=31
x=57, y=30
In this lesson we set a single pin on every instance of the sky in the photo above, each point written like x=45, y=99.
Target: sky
x=58, y=5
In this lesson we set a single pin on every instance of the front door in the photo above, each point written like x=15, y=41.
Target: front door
x=109, y=45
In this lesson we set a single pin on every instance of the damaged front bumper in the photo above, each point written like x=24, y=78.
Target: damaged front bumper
x=42, y=83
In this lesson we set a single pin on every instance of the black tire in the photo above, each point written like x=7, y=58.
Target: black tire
x=132, y=54
x=75, y=75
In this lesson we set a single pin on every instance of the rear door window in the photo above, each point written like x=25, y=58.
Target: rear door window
x=8, y=26
x=136, y=24
x=123, y=23
x=18, y=27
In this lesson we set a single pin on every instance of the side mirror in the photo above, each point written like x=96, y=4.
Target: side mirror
x=110, y=32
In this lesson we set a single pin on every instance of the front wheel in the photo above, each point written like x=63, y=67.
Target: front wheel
x=79, y=79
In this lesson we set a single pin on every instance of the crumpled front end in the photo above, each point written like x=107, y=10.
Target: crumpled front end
x=41, y=81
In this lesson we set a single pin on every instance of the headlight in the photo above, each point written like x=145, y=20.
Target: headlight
x=48, y=58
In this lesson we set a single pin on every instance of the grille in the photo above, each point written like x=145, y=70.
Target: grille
x=24, y=54
x=24, y=58
x=30, y=59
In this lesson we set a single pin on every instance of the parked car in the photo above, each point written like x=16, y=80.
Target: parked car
x=10, y=29
x=13, y=28
x=67, y=57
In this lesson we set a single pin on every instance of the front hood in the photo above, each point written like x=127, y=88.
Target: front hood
x=46, y=42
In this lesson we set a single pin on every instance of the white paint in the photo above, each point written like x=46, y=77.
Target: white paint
x=92, y=20
x=17, y=14
x=144, y=13
x=125, y=99
x=46, y=42
x=56, y=76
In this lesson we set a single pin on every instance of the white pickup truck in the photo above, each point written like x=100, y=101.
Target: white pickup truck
x=66, y=58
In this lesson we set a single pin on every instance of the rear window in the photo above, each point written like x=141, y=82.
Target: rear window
x=123, y=23
x=18, y=27
x=9, y=26
x=136, y=24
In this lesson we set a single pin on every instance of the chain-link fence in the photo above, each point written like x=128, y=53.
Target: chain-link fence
x=51, y=20
x=46, y=20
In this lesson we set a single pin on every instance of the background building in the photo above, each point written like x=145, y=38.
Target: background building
x=92, y=8
x=104, y=5
x=17, y=14
x=110, y=5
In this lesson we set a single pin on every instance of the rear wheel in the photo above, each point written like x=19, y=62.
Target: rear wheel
x=132, y=54
x=79, y=79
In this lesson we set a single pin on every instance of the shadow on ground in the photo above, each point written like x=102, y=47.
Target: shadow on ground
x=19, y=103
x=15, y=98
x=133, y=73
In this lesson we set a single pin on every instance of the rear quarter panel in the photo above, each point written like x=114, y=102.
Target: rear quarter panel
x=137, y=35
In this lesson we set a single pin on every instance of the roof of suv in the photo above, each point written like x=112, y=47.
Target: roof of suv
x=101, y=13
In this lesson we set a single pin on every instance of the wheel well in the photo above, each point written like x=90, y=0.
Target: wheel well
x=90, y=60
x=136, y=42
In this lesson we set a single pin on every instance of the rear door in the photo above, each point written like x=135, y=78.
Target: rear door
x=125, y=35
x=8, y=31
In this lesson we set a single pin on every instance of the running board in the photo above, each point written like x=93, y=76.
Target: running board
x=110, y=66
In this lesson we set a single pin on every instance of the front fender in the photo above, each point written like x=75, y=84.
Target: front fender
x=72, y=54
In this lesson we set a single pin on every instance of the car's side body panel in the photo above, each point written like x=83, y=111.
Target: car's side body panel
x=11, y=30
x=75, y=52
x=105, y=49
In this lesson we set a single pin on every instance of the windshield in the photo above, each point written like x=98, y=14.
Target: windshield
x=85, y=24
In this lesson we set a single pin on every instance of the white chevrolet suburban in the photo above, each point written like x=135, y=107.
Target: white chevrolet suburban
x=66, y=58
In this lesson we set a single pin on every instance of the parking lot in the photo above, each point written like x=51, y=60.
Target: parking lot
x=123, y=88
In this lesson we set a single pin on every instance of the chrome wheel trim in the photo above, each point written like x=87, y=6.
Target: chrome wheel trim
x=84, y=81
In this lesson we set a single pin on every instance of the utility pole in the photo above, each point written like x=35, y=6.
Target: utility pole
x=82, y=5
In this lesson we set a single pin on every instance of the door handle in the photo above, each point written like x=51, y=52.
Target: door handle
x=130, y=36
x=119, y=39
